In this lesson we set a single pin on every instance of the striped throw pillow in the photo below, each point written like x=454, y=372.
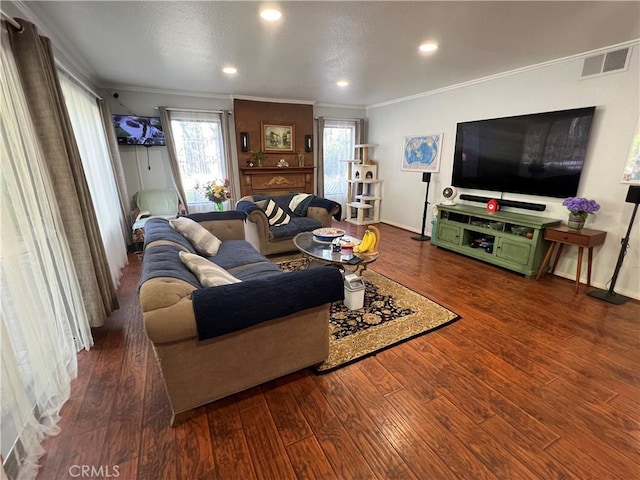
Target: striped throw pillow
x=209, y=274
x=204, y=242
x=276, y=215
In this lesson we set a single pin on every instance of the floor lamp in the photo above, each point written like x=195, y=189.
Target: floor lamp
x=426, y=177
x=633, y=196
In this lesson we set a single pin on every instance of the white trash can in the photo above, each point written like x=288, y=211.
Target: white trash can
x=353, y=292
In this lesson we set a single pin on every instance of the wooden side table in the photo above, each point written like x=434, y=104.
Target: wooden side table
x=562, y=235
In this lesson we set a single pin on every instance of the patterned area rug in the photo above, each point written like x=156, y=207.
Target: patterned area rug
x=391, y=314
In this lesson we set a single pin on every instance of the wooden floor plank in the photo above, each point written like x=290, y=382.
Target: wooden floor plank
x=547, y=385
x=488, y=450
x=286, y=414
x=374, y=447
x=194, y=438
x=156, y=437
x=409, y=444
x=308, y=460
x=450, y=449
x=231, y=453
x=526, y=450
x=339, y=448
x=269, y=456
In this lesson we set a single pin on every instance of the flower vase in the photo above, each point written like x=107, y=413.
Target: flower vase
x=576, y=221
x=218, y=206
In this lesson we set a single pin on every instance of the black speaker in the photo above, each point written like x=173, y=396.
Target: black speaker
x=540, y=207
x=244, y=142
x=633, y=195
x=308, y=143
x=426, y=177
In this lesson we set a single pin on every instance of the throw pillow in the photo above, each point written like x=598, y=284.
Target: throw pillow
x=205, y=242
x=276, y=215
x=209, y=274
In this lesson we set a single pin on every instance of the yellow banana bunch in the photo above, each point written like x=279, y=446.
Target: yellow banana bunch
x=369, y=243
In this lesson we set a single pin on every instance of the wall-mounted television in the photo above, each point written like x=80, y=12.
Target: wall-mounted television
x=137, y=130
x=537, y=154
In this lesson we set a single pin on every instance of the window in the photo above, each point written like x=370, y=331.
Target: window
x=339, y=144
x=200, y=152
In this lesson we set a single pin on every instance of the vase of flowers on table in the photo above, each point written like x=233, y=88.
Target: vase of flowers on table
x=216, y=191
x=579, y=210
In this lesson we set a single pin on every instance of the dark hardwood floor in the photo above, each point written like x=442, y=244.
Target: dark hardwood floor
x=534, y=382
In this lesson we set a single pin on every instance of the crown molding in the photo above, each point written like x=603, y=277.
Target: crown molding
x=180, y=93
x=68, y=58
x=337, y=105
x=516, y=71
x=272, y=100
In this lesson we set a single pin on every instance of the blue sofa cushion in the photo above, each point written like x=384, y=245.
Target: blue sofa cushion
x=227, y=308
x=295, y=226
x=227, y=215
x=159, y=229
x=164, y=261
x=283, y=201
x=242, y=261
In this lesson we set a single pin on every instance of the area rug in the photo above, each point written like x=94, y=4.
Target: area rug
x=392, y=314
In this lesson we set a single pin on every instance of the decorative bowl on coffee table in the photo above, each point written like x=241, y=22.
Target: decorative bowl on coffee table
x=327, y=234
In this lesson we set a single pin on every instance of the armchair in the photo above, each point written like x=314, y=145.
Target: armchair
x=306, y=215
x=153, y=203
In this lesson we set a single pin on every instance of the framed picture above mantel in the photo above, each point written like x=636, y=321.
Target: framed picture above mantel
x=277, y=137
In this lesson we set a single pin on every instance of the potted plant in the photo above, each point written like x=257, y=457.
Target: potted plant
x=579, y=210
x=258, y=156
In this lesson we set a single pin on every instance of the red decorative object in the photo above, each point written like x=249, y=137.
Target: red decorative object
x=493, y=206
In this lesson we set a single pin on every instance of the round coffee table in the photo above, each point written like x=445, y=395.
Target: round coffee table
x=323, y=252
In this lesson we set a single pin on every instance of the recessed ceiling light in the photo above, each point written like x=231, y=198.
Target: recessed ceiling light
x=271, y=14
x=428, y=47
x=230, y=70
x=342, y=83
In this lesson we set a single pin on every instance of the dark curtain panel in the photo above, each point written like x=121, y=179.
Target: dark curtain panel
x=118, y=171
x=36, y=64
x=165, y=118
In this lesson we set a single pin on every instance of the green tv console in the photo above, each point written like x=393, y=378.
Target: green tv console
x=506, y=239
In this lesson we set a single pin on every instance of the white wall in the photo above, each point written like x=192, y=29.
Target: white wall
x=552, y=87
x=148, y=168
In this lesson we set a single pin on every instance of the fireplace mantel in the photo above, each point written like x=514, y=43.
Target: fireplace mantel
x=275, y=180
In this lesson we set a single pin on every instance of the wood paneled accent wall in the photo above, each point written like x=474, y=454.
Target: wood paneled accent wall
x=248, y=116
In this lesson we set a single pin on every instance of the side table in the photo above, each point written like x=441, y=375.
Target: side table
x=137, y=234
x=562, y=235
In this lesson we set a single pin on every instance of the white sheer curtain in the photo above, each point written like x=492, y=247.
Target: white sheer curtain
x=92, y=143
x=43, y=320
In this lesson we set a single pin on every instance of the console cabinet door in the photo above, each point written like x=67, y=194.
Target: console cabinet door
x=448, y=233
x=513, y=251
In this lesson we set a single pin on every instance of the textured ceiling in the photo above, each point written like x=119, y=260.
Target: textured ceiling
x=182, y=46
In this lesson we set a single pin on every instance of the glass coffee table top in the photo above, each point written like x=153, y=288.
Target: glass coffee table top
x=322, y=251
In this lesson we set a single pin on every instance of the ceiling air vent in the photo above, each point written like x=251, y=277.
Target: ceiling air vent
x=608, y=62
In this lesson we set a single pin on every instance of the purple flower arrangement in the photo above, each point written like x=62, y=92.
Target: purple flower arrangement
x=581, y=206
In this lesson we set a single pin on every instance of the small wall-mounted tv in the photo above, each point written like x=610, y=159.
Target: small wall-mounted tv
x=137, y=130
x=537, y=154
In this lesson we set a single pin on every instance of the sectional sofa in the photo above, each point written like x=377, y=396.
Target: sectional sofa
x=214, y=341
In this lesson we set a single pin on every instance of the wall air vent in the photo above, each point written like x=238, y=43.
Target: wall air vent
x=608, y=62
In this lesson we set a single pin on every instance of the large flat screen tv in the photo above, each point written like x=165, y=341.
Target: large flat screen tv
x=137, y=130
x=537, y=154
